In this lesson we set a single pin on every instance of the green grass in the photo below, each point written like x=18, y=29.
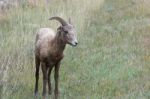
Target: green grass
x=111, y=61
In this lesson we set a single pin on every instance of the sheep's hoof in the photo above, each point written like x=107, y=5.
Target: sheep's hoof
x=44, y=97
x=56, y=96
x=50, y=92
x=56, y=92
x=36, y=95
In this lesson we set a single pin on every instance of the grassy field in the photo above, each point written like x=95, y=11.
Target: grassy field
x=112, y=60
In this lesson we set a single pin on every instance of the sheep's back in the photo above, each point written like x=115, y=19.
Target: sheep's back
x=45, y=33
x=43, y=39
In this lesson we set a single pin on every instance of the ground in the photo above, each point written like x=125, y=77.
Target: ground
x=111, y=61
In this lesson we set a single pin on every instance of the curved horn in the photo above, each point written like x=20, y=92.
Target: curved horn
x=62, y=21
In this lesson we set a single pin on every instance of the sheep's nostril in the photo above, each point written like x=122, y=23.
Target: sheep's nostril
x=76, y=43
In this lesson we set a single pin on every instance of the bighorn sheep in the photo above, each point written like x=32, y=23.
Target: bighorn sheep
x=49, y=49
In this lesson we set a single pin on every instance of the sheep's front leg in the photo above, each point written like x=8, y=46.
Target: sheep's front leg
x=44, y=70
x=49, y=79
x=56, y=77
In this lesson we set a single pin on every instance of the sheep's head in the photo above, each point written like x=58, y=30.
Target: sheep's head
x=67, y=31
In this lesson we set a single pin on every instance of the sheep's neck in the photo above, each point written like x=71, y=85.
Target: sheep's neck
x=59, y=45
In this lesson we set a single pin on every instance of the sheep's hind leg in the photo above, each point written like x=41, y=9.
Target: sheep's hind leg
x=37, y=64
x=44, y=70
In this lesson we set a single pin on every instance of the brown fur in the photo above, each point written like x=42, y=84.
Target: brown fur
x=48, y=52
x=49, y=47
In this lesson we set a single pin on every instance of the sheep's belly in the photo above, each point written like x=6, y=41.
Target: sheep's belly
x=52, y=62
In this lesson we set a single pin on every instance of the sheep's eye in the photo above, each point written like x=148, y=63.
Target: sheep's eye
x=66, y=32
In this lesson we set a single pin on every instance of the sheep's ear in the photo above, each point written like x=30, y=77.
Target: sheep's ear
x=59, y=28
x=70, y=21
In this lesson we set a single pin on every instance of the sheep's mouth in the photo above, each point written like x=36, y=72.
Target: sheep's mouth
x=74, y=45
